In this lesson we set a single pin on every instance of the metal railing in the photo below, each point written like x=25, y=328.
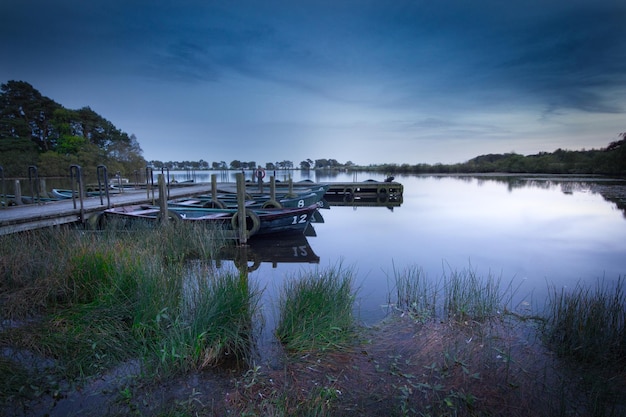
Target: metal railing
x=103, y=178
x=76, y=178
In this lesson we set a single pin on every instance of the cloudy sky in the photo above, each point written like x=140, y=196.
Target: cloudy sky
x=367, y=81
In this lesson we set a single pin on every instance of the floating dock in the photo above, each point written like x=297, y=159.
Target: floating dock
x=366, y=193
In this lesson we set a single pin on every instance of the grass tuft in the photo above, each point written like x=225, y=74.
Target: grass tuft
x=316, y=311
x=589, y=325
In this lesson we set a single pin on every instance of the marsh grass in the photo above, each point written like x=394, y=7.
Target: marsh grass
x=212, y=325
x=316, y=311
x=457, y=295
x=588, y=324
x=78, y=303
x=587, y=327
x=415, y=293
x=470, y=297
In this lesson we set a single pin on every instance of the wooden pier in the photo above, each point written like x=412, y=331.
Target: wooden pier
x=33, y=216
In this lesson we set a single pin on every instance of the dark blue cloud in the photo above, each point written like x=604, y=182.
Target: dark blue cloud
x=422, y=69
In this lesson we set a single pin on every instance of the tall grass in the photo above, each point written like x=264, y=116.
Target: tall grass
x=103, y=298
x=470, y=297
x=588, y=324
x=415, y=293
x=316, y=311
x=458, y=295
x=212, y=324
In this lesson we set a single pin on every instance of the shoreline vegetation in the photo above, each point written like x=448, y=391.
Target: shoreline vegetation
x=142, y=322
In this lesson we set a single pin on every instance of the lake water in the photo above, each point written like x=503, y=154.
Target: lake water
x=533, y=232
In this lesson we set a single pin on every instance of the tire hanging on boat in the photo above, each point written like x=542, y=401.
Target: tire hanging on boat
x=172, y=216
x=348, y=195
x=382, y=195
x=214, y=204
x=271, y=204
x=252, y=227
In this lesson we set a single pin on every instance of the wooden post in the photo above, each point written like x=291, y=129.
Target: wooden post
x=42, y=187
x=241, y=209
x=272, y=188
x=163, y=199
x=290, y=185
x=18, y=193
x=214, y=187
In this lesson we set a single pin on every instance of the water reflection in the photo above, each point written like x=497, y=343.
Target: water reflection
x=539, y=230
x=272, y=250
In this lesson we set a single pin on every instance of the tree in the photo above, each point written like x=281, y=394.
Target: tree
x=27, y=116
x=16, y=155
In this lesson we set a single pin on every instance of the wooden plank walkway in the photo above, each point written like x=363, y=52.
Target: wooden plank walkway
x=33, y=216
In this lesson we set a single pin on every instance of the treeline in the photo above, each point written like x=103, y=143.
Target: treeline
x=237, y=164
x=37, y=131
x=607, y=161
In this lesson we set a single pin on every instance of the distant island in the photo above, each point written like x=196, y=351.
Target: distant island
x=37, y=131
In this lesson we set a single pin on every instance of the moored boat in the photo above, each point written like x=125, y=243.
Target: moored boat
x=256, y=201
x=257, y=221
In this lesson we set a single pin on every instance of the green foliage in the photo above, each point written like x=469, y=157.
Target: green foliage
x=316, y=311
x=589, y=325
x=469, y=297
x=608, y=161
x=16, y=155
x=28, y=119
x=212, y=324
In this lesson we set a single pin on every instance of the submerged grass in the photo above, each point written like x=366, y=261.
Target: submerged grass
x=316, y=311
x=458, y=295
x=468, y=296
x=589, y=325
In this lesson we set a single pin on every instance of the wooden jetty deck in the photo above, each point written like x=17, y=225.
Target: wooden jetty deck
x=33, y=216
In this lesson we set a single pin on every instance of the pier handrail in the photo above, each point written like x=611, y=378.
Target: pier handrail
x=4, y=203
x=76, y=178
x=103, y=178
x=150, y=183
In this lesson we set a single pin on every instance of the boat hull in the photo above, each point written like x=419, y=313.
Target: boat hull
x=258, y=221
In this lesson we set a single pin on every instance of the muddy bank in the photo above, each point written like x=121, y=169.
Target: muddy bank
x=399, y=367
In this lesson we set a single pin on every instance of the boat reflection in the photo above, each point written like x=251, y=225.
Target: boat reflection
x=274, y=250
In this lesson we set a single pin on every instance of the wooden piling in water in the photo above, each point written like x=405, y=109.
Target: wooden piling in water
x=214, y=187
x=241, y=209
x=163, y=198
x=272, y=188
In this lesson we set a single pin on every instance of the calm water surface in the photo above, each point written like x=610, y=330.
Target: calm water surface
x=533, y=232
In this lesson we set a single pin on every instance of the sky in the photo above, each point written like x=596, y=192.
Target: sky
x=364, y=81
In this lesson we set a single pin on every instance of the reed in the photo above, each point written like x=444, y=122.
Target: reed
x=470, y=297
x=589, y=324
x=104, y=298
x=316, y=311
x=211, y=325
x=415, y=293
x=458, y=295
